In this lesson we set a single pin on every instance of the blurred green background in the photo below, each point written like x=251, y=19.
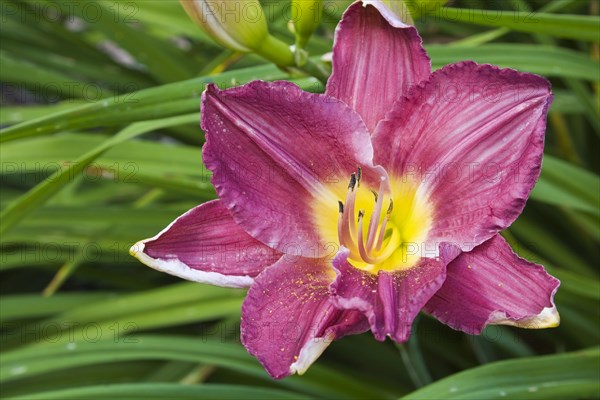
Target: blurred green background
x=100, y=147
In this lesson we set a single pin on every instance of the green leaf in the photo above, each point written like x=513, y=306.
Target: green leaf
x=538, y=59
x=569, y=375
x=165, y=391
x=23, y=306
x=565, y=184
x=146, y=157
x=49, y=83
x=164, y=61
x=578, y=27
x=31, y=200
x=47, y=357
x=171, y=305
x=157, y=102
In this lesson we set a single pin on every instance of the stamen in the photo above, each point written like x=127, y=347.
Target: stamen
x=381, y=233
x=367, y=246
x=375, y=195
x=348, y=226
x=352, y=183
x=374, y=222
x=383, y=225
x=392, y=245
x=340, y=223
x=361, y=243
x=350, y=199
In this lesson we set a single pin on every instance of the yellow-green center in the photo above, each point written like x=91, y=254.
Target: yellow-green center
x=384, y=228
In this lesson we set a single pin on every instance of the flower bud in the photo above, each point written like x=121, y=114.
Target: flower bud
x=306, y=19
x=239, y=25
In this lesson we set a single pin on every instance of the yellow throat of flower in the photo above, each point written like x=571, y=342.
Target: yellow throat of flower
x=384, y=228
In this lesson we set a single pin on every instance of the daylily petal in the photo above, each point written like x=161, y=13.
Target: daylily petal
x=376, y=59
x=272, y=147
x=492, y=285
x=390, y=300
x=473, y=137
x=288, y=319
x=205, y=245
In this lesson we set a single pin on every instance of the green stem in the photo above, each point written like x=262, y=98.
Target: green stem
x=316, y=70
x=413, y=360
x=276, y=51
x=280, y=53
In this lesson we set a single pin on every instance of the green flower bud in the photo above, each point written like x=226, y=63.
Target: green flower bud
x=239, y=25
x=306, y=18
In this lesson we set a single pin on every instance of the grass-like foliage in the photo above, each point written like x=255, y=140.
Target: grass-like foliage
x=101, y=147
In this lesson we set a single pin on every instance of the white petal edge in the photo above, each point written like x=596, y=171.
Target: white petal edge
x=391, y=15
x=181, y=270
x=310, y=352
x=548, y=318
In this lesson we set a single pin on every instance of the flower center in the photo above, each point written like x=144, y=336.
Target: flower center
x=375, y=243
x=384, y=229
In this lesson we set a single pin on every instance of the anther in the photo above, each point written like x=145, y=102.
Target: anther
x=352, y=183
x=391, y=207
x=358, y=175
x=375, y=195
x=341, y=207
x=361, y=214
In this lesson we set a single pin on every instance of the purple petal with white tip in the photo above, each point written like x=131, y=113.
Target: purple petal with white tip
x=288, y=318
x=205, y=245
x=491, y=285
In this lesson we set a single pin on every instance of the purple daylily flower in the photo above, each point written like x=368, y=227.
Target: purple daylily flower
x=355, y=209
